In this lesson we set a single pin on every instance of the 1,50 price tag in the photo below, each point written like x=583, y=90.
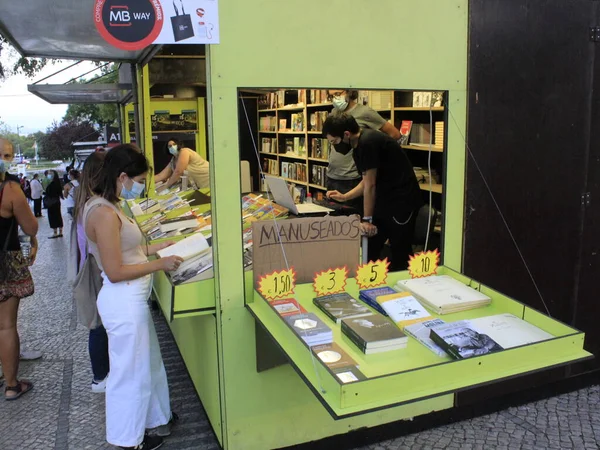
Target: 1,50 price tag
x=373, y=273
x=277, y=284
x=331, y=281
x=424, y=264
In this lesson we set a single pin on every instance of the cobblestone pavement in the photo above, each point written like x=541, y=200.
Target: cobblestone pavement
x=62, y=413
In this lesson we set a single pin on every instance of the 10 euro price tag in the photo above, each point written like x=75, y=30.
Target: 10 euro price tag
x=330, y=281
x=277, y=284
x=424, y=264
x=372, y=274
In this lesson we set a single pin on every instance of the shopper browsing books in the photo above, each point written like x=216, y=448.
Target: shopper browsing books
x=137, y=392
x=184, y=160
x=342, y=174
x=391, y=194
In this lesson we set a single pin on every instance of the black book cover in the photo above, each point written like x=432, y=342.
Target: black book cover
x=341, y=306
x=461, y=340
x=375, y=330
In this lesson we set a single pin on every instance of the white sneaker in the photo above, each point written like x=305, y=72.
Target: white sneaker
x=30, y=355
x=99, y=387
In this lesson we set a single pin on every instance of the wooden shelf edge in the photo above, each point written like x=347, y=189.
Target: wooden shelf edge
x=283, y=155
x=437, y=188
x=413, y=108
x=316, y=186
x=422, y=148
x=318, y=160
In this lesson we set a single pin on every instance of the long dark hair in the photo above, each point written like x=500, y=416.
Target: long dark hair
x=92, y=170
x=125, y=158
x=178, y=143
x=54, y=189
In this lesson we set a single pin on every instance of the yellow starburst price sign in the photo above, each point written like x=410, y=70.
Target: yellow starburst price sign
x=277, y=284
x=424, y=264
x=373, y=273
x=330, y=281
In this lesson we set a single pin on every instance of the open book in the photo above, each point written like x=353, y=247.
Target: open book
x=186, y=248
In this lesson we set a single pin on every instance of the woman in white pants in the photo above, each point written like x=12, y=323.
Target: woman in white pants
x=137, y=393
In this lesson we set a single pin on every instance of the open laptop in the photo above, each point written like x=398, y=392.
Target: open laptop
x=282, y=196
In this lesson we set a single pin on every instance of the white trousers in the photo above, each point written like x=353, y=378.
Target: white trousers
x=137, y=393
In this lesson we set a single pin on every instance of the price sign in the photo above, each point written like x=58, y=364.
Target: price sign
x=424, y=264
x=373, y=273
x=331, y=281
x=277, y=284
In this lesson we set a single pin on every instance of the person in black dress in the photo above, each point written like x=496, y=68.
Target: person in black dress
x=52, y=199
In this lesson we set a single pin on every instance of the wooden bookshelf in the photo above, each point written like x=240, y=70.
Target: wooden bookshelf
x=315, y=132
x=285, y=155
x=291, y=132
x=318, y=159
x=316, y=186
x=410, y=108
x=268, y=154
x=437, y=188
x=266, y=131
x=423, y=148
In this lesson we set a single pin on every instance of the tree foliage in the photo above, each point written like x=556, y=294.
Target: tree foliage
x=11, y=63
x=56, y=143
x=24, y=143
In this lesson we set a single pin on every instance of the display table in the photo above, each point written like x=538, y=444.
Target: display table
x=415, y=373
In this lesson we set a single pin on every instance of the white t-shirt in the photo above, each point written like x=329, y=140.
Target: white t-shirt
x=70, y=201
x=36, y=189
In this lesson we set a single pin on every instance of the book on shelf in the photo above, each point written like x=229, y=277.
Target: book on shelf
x=318, y=96
x=282, y=124
x=312, y=330
x=509, y=331
x=403, y=308
x=377, y=100
x=319, y=148
x=405, y=128
x=374, y=334
x=297, y=120
x=186, y=248
x=317, y=119
x=443, y=294
x=319, y=175
x=420, y=134
x=270, y=166
x=421, y=331
x=341, y=306
x=197, y=198
x=268, y=145
x=333, y=356
x=287, y=307
x=438, y=140
x=462, y=340
x=268, y=123
x=422, y=99
x=369, y=296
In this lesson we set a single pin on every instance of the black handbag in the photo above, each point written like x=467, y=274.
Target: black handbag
x=50, y=201
x=4, y=255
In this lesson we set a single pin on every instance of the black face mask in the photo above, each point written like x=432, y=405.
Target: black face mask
x=342, y=148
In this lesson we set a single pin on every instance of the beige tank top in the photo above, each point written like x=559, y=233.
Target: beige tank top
x=131, y=236
x=197, y=169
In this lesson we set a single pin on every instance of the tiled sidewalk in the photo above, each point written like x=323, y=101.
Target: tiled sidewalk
x=62, y=413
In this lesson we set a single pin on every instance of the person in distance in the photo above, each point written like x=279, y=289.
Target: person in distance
x=137, y=393
x=184, y=159
x=391, y=193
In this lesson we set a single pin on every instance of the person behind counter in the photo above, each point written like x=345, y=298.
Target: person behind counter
x=389, y=187
x=342, y=174
x=184, y=159
x=137, y=392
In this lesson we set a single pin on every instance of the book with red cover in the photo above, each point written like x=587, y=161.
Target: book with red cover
x=405, y=128
x=287, y=307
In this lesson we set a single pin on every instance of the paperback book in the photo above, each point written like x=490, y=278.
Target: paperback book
x=421, y=332
x=373, y=334
x=369, y=296
x=310, y=329
x=403, y=308
x=333, y=356
x=341, y=306
x=463, y=340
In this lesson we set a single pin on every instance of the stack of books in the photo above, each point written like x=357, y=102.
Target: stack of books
x=310, y=329
x=438, y=140
x=341, y=306
x=374, y=334
x=443, y=294
x=403, y=308
x=287, y=307
x=369, y=296
x=421, y=331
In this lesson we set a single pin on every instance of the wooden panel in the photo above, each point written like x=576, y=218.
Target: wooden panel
x=529, y=84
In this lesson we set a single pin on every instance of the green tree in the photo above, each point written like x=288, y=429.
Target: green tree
x=11, y=63
x=56, y=143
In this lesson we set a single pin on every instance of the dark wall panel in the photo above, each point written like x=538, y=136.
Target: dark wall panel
x=529, y=96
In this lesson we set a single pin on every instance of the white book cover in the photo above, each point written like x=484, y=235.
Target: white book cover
x=186, y=248
x=421, y=331
x=510, y=331
x=443, y=291
x=403, y=308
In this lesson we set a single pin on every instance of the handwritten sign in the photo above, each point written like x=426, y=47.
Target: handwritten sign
x=310, y=245
x=277, y=284
x=330, y=281
x=373, y=273
x=424, y=264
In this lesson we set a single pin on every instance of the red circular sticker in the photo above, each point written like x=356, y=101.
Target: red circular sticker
x=128, y=24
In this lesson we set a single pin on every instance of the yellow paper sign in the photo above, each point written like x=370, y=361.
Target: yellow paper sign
x=424, y=264
x=277, y=284
x=373, y=273
x=331, y=281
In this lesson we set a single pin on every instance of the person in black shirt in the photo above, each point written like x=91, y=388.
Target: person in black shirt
x=392, y=197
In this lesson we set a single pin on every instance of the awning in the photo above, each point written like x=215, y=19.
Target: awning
x=81, y=93
x=61, y=29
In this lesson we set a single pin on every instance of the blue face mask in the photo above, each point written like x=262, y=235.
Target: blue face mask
x=133, y=193
x=50, y=176
x=173, y=150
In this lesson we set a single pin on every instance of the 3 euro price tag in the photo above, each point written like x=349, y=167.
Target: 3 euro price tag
x=330, y=281
x=277, y=284
x=372, y=274
x=424, y=264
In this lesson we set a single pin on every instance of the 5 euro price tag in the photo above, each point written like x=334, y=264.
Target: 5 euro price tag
x=330, y=281
x=372, y=274
x=277, y=284
x=424, y=264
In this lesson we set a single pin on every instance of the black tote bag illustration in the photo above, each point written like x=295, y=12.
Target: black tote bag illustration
x=182, y=24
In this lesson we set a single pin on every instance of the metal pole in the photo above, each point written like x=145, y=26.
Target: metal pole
x=139, y=138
